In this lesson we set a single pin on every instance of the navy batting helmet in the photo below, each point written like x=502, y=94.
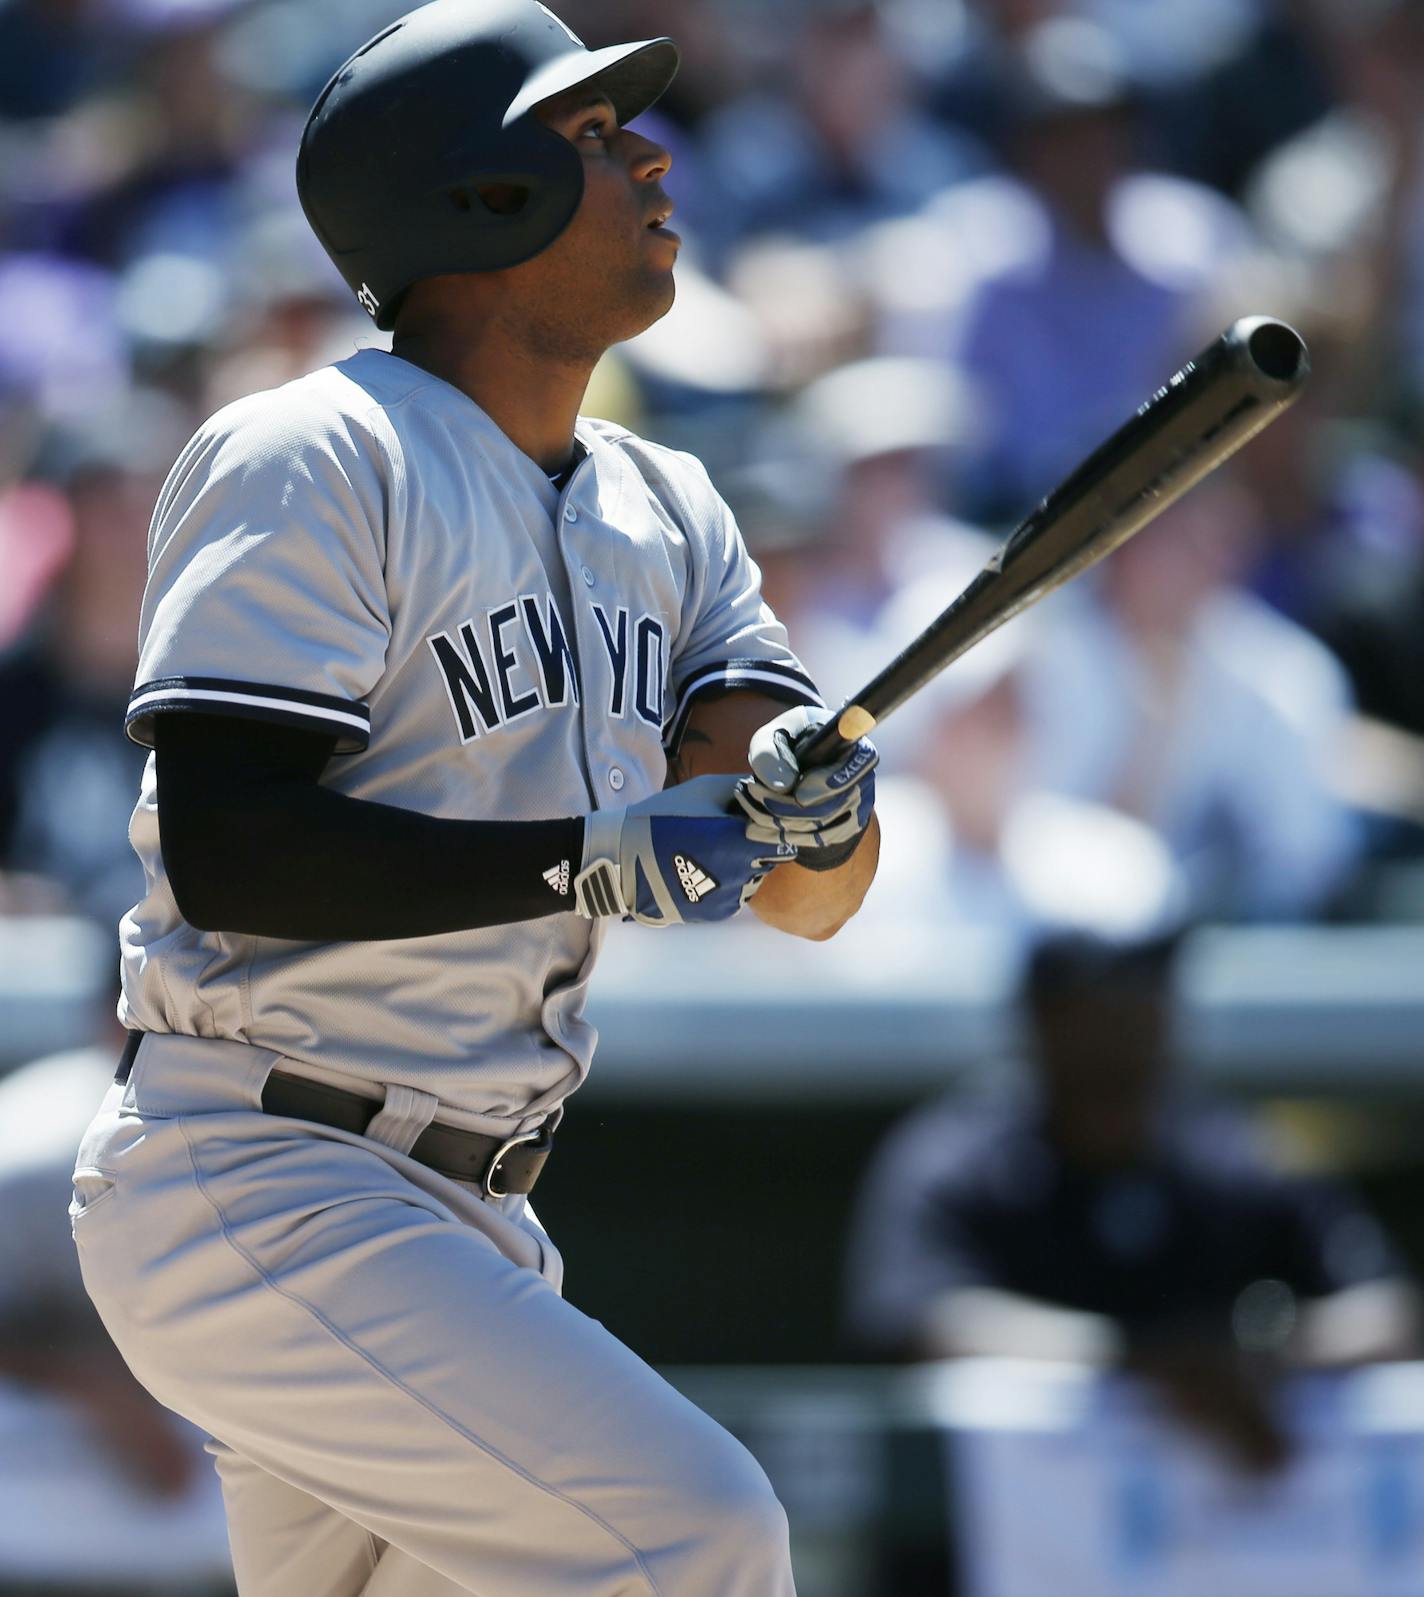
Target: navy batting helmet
x=436, y=107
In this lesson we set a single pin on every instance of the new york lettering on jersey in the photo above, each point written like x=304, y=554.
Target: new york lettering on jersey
x=519, y=660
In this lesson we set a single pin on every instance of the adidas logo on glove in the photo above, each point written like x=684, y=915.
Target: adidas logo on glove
x=557, y=876
x=696, y=883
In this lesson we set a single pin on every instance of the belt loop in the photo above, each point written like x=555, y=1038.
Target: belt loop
x=402, y=1117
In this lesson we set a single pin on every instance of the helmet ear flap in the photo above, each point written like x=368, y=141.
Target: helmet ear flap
x=482, y=221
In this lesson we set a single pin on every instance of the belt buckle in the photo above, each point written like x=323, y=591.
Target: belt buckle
x=490, y=1190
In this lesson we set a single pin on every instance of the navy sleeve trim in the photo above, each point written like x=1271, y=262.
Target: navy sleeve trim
x=349, y=721
x=777, y=680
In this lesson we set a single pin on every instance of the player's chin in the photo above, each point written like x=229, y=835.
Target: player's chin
x=657, y=291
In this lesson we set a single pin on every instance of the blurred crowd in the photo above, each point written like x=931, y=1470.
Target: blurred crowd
x=935, y=250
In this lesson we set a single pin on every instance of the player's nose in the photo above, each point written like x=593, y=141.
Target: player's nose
x=647, y=158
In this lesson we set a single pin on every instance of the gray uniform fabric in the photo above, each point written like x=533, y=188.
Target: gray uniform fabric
x=364, y=551
x=403, y=1403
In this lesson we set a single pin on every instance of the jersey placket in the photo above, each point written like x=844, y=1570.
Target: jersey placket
x=579, y=575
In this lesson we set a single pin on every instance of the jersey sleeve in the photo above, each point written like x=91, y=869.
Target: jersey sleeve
x=911, y=1235
x=266, y=593
x=728, y=636
x=1326, y=1242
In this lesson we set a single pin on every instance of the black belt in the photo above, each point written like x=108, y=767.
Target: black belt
x=499, y=1165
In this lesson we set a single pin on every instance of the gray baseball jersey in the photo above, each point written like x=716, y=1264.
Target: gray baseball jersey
x=363, y=552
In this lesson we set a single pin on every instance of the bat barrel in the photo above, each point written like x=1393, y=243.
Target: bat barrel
x=1204, y=414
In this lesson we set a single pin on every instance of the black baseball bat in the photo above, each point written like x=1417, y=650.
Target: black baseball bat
x=1213, y=405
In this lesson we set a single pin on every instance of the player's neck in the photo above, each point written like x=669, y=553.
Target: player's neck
x=533, y=401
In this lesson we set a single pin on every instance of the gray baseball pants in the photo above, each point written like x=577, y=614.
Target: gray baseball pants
x=402, y=1403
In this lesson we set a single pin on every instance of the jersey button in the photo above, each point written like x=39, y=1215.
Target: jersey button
x=615, y=780
x=570, y=514
x=588, y=576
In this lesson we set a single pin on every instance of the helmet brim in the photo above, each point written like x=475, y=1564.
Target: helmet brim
x=633, y=76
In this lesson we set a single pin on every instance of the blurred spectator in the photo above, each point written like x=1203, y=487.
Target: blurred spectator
x=1341, y=512
x=103, y=1491
x=808, y=304
x=970, y=838
x=68, y=774
x=879, y=437
x=1101, y=1217
x=1174, y=41
x=1379, y=633
x=1348, y=192
x=47, y=56
x=1271, y=82
x=1151, y=743
x=837, y=141
x=36, y=539
x=782, y=502
x=1177, y=48
x=1080, y=272
x=60, y=343
x=175, y=142
x=1163, y=689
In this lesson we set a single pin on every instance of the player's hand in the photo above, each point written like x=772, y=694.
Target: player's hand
x=686, y=854
x=821, y=813
x=1214, y=1392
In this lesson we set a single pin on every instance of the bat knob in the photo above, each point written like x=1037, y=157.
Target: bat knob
x=1273, y=348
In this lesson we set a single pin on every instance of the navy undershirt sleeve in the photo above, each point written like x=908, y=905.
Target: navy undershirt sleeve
x=253, y=843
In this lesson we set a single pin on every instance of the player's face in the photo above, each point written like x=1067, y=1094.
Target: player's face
x=609, y=273
x=1102, y=1067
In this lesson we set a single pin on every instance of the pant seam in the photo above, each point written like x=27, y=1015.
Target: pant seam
x=374, y=1553
x=375, y=1364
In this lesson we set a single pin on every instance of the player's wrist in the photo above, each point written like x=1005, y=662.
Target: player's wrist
x=598, y=886
x=833, y=855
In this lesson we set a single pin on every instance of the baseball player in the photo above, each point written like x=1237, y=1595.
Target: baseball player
x=440, y=678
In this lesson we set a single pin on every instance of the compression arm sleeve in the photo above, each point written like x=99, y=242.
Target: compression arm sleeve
x=253, y=843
